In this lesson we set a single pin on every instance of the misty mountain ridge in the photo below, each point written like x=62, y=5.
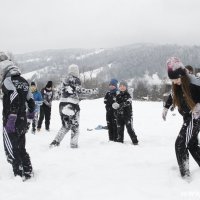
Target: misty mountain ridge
x=123, y=62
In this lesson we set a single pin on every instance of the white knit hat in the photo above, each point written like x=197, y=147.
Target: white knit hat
x=3, y=56
x=73, y=70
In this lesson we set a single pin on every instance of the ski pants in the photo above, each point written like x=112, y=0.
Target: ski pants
x=35, y=121
x=121, y=123
x=112, y=125
x=45, y=111
x=187, y=140
x=69, y=123
x=14, y=145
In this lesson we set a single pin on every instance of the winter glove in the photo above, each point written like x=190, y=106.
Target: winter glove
x=30, y=115
x=164, y=113
x=115, y=105
x=10, y=124
x=196, y=111
x=172, y=108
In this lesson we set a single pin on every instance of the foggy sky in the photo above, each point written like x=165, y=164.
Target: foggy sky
x=29, y=25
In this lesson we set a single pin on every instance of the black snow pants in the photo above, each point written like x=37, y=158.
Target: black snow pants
x=14, y=145
x=45, y=111
x=112, y=125
x=187, y=140
x=121, y=123
x=34, y=122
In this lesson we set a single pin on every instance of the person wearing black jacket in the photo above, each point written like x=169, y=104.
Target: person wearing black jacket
x=16, y=95
x=45, y=108
x=124, y=115
x=186, y=96
x=109, y=99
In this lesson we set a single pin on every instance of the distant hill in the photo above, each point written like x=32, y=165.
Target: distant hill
x=121, y=62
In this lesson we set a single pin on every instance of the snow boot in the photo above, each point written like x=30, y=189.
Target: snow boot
x=74, y=146
x=135, y=140
x=27, y=176
x=54, y=144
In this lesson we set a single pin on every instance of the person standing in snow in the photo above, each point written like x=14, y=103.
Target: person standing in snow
x=69, y=106
x=37, y=96
x=45, y=109
x=109, y=99
x=124, y=114
x=16, y=95
x=186, y=96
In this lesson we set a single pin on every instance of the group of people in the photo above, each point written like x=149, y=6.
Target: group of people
x=22, y=105
x=19, y=108
x=43, y=101
x=118, y=103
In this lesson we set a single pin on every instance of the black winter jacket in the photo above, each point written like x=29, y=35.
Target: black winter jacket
x=124, y=100
x=47, y=96
x=195, y=93
x=16, y=95
x=109, y=99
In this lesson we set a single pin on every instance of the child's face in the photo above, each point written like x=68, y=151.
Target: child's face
x=122, y=88
x=112, y=87
x=33, y=88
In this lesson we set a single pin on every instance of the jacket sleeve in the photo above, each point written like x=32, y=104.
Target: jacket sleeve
x=169, y=102
x=44, y=95
x=39, y=100
x=106, y=98
x=30, y=102
x=9, y=89
x=81, y=90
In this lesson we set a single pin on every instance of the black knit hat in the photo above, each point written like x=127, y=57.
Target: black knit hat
x=175, y=68
x=33, y=84
x=49, y=84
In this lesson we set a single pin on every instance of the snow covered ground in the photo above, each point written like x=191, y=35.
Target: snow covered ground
x=102, y=170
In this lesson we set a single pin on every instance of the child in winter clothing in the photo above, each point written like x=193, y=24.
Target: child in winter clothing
x=109, y=99
x=37, y=96
x=186, y=96
x=45, y=109
x=123, y=107
x=16, y=96
x=69, y=106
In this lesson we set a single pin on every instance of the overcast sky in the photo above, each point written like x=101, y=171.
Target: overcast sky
x=29, y=25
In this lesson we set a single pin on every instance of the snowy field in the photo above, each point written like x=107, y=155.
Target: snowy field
x=102, y=170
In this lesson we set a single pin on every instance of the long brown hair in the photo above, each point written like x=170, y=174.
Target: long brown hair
x=185, y=93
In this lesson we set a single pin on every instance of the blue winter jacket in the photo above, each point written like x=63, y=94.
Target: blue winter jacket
x=38, y=100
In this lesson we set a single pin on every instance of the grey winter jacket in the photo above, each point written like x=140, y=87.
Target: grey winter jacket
x=71, y=89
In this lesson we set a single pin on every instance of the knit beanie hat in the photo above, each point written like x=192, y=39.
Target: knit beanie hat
x=113, y=82
x=123, y=83
x=8, y=69
x=73, y=70
x=33, y=84
x=49, y=84
x=3, y=56
x=175, y=68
